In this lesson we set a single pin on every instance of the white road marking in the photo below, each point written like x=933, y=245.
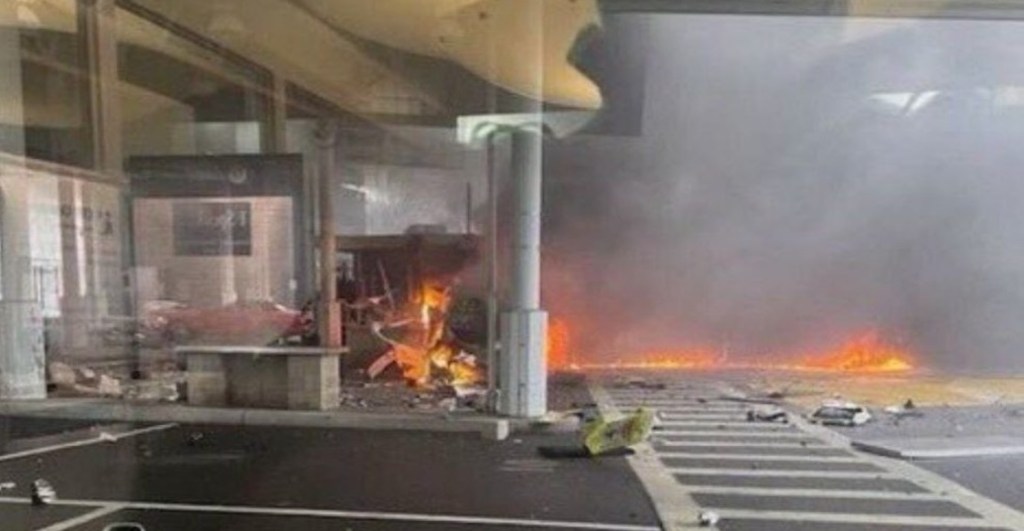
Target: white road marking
x=528, y=465
x=680, y=410
x=675, y=508
x=736, y=423
x=87, y=442
x=678, y=434
x=782, y=444
x=360, y=515
x=765, y=458
x=666, y=412
x=992, y=510
x=854, y=518
x=85, y=518
x=695, y=417
x=717, y=471
x=667, y=403
x=819, y=493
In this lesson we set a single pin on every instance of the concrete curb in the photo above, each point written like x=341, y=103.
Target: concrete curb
x=491, y=428
x=940, y=448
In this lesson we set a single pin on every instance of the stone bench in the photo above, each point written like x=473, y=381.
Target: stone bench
x=263, y=377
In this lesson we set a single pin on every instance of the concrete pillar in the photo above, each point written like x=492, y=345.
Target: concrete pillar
x=21, y=344
x=207, y=380
x=523, y=371
x=314, y=382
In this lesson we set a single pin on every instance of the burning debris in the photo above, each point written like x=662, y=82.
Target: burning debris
x=421, y=343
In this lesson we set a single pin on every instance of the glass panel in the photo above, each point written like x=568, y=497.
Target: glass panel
x=44, y=110
x=180, y=97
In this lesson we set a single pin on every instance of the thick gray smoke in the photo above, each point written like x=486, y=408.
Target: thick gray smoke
x=798, y=180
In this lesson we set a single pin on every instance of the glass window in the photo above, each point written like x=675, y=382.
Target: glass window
x=44, y=98
x=181, y=94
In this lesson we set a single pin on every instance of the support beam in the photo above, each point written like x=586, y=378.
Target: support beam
x=98, y=27
x=274, y=133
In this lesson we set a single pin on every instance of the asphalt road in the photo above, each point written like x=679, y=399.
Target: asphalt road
x=233, y=478
x=997, y=476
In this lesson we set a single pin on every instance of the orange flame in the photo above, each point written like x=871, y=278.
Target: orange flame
x=690, y=358
x=867, y=353
x=435, y=353
x=556, y=345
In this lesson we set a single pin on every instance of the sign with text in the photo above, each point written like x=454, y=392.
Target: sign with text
x=212, y=228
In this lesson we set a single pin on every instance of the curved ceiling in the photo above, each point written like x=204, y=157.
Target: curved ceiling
x=523, y=46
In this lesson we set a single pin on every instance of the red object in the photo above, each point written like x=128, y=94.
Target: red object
x=248, y=322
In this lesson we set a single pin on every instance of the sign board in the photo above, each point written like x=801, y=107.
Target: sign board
x=212, y=229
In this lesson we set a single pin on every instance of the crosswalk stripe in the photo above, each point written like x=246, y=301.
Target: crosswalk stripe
x=854, y=518
x=818, y=493
x=782, y=444
x=782, y=473
x=765, y=458
x=726, y=434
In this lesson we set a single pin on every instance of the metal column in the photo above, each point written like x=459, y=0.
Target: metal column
x=328, y=314
x=523, y=371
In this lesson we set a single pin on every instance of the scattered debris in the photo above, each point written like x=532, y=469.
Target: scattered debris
x=469, y=397
x=601, y=436
x=195, y=438
x=351, y=400
x=637, y=382
x=448, y=404
x=767, y=414
x=62, y=374
x=899, y=412
x=708, y=518
x=43, y=493
x=86, y=375
x=109, y=386
x=839, y=413
x=744, y=398
x=380, y=364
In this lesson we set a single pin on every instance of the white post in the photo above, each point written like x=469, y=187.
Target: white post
x=523, y=371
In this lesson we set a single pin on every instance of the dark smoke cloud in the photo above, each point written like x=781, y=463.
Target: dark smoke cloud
x=779, y=198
